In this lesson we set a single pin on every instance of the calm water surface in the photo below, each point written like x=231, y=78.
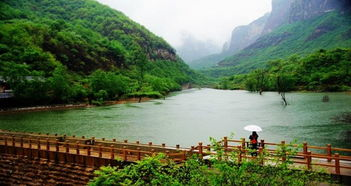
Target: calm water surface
x=191, y=116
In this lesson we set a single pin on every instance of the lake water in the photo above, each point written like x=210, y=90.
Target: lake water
x=191, y=116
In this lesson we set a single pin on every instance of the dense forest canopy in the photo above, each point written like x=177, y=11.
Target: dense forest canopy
x=58, y=51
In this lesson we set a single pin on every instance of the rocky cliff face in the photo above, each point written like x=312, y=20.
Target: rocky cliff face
x=244, y=36
x=290, y=11
x=278, y=16
x=283, y=12
x=306, y=9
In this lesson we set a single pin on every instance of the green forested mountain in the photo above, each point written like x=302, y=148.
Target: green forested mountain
x=322, y=71
x=328, y=31
x=53, y=51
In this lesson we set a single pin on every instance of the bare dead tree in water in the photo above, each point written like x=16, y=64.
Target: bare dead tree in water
x=261, y=80
x=284, y=83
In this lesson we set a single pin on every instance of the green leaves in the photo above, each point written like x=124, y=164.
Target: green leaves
x=158, y=170
x=322, y=70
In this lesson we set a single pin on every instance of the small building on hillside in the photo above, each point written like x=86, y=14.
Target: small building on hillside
x=5, y=90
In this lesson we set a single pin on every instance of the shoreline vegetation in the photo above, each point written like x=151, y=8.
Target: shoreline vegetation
x=321, y=71
x=84, y=105
x=71, y=106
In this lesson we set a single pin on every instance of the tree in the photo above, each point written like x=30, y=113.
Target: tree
x=257, y=80
x=284, y=83
x=61, y=85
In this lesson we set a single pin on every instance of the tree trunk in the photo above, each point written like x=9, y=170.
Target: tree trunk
x=283, y=98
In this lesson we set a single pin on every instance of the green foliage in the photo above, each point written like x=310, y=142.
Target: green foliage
x=113, y=85
x=69, y=51
x=320, y=71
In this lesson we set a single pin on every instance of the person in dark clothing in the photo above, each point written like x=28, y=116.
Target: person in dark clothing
x=253, y=143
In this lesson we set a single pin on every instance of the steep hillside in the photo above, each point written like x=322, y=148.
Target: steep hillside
x=306, y=26
x=87, y=21
x=44, y=42
x=328, y=31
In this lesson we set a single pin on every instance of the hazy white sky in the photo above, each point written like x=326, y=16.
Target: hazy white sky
x=207, y=20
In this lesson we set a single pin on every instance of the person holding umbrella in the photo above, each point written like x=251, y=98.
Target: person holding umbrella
x=253, y=137
x=253, y=141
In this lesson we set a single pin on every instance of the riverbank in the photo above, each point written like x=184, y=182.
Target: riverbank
x=70, y=106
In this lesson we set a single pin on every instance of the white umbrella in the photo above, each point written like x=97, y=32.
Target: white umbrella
x=253, y=128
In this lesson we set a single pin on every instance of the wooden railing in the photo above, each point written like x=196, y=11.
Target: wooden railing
x=305, y=156
x=89, y=152
x=94, y=152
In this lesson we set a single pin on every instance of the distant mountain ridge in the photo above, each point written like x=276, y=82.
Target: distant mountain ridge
x=293, y=26
x=243, y=36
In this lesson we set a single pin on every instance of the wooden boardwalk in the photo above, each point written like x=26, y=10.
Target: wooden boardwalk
x=93, y=152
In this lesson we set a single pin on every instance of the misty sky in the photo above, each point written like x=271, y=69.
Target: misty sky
x=206, y=20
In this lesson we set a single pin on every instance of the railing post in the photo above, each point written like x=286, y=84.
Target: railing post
x=14, y=145
x=57, y=146
x=200, y=150
x=77, y=148
x=239, y=155
x=260, y=155
x=39, y=145
x=39, y=148
x=305, y=149
x=243, y=143
x=88, y=151
x=125, y=153
x=5, y=139
x=67, y=147
x=184, y=155
x=21, y=142
x=112, y=152
x=329, y=152
x=139, y=154
x=337, y=163
x=284, y=152
x=309, y=160
x=30, y=148
x=225, y=143
x=13, y=141
x=100, y=151
x=262, y=144
x=47, y=149
x=47, y=145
